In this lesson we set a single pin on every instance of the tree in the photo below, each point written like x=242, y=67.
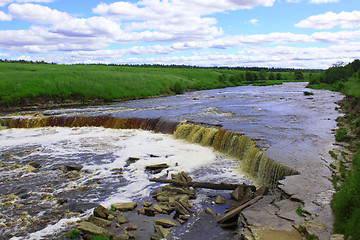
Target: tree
x=262, y=74
x=298, y=75
x=278, y=76
x=271, y=76
x=249, y=76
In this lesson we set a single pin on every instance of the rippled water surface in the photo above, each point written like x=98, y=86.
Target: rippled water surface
x=293, y=129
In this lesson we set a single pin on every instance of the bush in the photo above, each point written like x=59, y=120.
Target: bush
x=179, y=88
x=73, y=234
x=341, y=134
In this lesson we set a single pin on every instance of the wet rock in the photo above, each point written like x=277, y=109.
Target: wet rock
x=147, y=204
x=35, y=165
x=155, y=237
x=122, y=236
x=160, y=208
x=179, y=190
x=69, y=168
x=166, y=223
x=94, y=229
x=127, y=206
x=181, y=177
x=62, y=201
x=164, y=232
x=121, y=219
x=156, y=168
x=100, y=222
x=131, y=227
x=238, y=194
x=181, y=209
x=220, y=200
x=101, y=212
x=147, y=211
x=131, y=160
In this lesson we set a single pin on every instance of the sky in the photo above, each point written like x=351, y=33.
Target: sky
x=253, y=33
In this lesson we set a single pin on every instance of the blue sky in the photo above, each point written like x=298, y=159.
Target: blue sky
x=263, y=33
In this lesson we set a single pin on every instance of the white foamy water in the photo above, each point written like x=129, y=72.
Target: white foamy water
x=100, y=150
x=103, y=151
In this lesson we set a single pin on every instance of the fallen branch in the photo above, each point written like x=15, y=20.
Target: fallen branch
x=237, y=210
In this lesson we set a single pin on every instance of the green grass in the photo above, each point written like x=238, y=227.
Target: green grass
x=27, y=82
x=346, y=202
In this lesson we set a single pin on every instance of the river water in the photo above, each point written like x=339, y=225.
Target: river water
x=293, y=129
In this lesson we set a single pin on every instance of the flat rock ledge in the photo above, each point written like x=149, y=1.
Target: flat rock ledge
x=171, y=207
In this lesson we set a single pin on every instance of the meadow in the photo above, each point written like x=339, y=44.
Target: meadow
x=27, y=82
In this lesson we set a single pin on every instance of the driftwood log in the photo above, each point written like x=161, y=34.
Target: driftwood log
x=220, y=186
x=259, y=194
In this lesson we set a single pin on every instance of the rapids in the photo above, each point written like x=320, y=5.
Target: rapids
x=269, y=132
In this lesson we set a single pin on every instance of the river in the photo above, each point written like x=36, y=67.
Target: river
x=292, y=129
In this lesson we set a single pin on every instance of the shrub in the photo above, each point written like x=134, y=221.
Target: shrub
x=73, y=234
x=179, y=88
x=340, y=134
x=306, y=93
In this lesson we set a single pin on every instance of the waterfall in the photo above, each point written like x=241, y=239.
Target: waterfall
x=253, y=162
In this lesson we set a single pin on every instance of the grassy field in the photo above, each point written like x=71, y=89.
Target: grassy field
x=27, y=82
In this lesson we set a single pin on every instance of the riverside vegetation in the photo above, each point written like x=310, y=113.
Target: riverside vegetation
x=27, y=83
x=346, y=170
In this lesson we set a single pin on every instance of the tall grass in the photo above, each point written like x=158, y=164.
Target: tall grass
x=25, y=82
x=346, y=202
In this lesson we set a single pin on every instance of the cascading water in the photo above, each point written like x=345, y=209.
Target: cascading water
x=286, y=126
x=253, y=161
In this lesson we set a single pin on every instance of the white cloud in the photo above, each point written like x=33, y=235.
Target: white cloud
x=6, y=2
x=323, y=1
x=94, y=26
x=254, y=21
x=37, y=13
x=154, y=9
x=182, y=20
x=330, y=19
x=5, y=17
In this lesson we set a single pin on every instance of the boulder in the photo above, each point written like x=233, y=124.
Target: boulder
x=121, y=219
x=122, y=236
x=165, y=223
x=127, y=206
x=164, y=232
x=156, y=168
x=100, y=221
x=94, y=229
x=101, y=212
x=220, y=200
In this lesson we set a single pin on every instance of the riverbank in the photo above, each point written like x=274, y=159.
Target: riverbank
x=38, y=86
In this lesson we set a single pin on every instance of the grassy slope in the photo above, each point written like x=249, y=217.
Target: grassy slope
x=25, y=82
x=346, y=202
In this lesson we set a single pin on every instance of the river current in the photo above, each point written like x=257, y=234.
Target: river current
x=293, y=129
